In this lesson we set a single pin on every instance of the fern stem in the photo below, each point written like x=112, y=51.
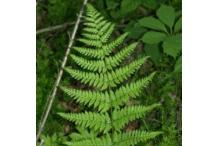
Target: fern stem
x=54, y=91
x=111, y=119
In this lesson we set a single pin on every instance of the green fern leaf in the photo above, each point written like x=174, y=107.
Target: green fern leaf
x=91, y=30
x=104, y=65
x=101, y=53
x=104, y=73
x=98, y=100
x=82, y=134
x=103, y=101
x=94, y=53
x=98, y=122
x=110, y=79
x=133, y=137
x=92, y=142
x=133, y=90
x=91, y=36
x=107, y=33
x=128, y=114
x=91, y=65
x=114, y=61
x=88, y=42
x=110, y=46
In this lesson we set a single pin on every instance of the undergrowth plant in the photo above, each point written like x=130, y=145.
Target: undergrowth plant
x=108, y=87
x=166, y=30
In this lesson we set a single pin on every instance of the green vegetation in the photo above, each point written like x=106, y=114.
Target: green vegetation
x=104, y=73
x=156, y=27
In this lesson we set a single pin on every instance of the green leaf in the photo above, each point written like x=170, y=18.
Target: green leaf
x=150, y=4
x=167, y=15
x=133, y=137
x=111, y=4
x=128, y=6
x=178, y=65
x=173, y=45
x=135, y=30
x=178, y=25
x=154, y=52
x=152, y=23
x=153, y=37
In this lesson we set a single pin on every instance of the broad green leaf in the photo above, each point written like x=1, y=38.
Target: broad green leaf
x=151, y=4
x=152, y=23
x=128, y=6
x=135, y=30
x=111, y=4
x=167, y=15
x=173, y=45
x=178, y=25
x=178, y=65
x=154, y=52
x=178, y=13
x=153, y=37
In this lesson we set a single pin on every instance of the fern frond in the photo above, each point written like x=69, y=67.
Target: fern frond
x=102, y=52
x=105, y=141
x=103, y=101
x=102, y=23
x=112, y=45
x=104, y=73
x=97, y=32
x=91, y=30
x=93, y=24
x=91, y=36
x=133, y=90
x=107, y=33
x=133, y=137
x=98, y=122
x=128, y=114
x=79, y=137
x=99, y=20
x=98, y=100
x=94, y=53
x=116, y=77
x=114, y=61
x=108, y=63
x=109, y=79
x=90, y=24
x=91, y=11
x=92, y=65
x=88, y=42
x=83, y=134
x=101, y=28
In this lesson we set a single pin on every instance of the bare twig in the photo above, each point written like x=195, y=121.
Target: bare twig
x=54, y=91
x=52, y=28
x=41, y=143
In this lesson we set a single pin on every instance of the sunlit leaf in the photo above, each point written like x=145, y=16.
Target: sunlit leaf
x=152, y=23
x=167, y=15
x=173, y=45
x=178, y=25
x=153, y=37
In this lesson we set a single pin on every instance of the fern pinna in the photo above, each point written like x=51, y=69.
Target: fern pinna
x=103, y=72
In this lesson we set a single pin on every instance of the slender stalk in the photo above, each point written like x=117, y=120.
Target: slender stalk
x=41, y=143
x=54, y=91
x=52, y=28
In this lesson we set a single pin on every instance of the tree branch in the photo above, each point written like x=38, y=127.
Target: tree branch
x=54, y=91
x=41, y=143
x=52, y=28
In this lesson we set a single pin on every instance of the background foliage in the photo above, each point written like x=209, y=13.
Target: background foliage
x=156, y=24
